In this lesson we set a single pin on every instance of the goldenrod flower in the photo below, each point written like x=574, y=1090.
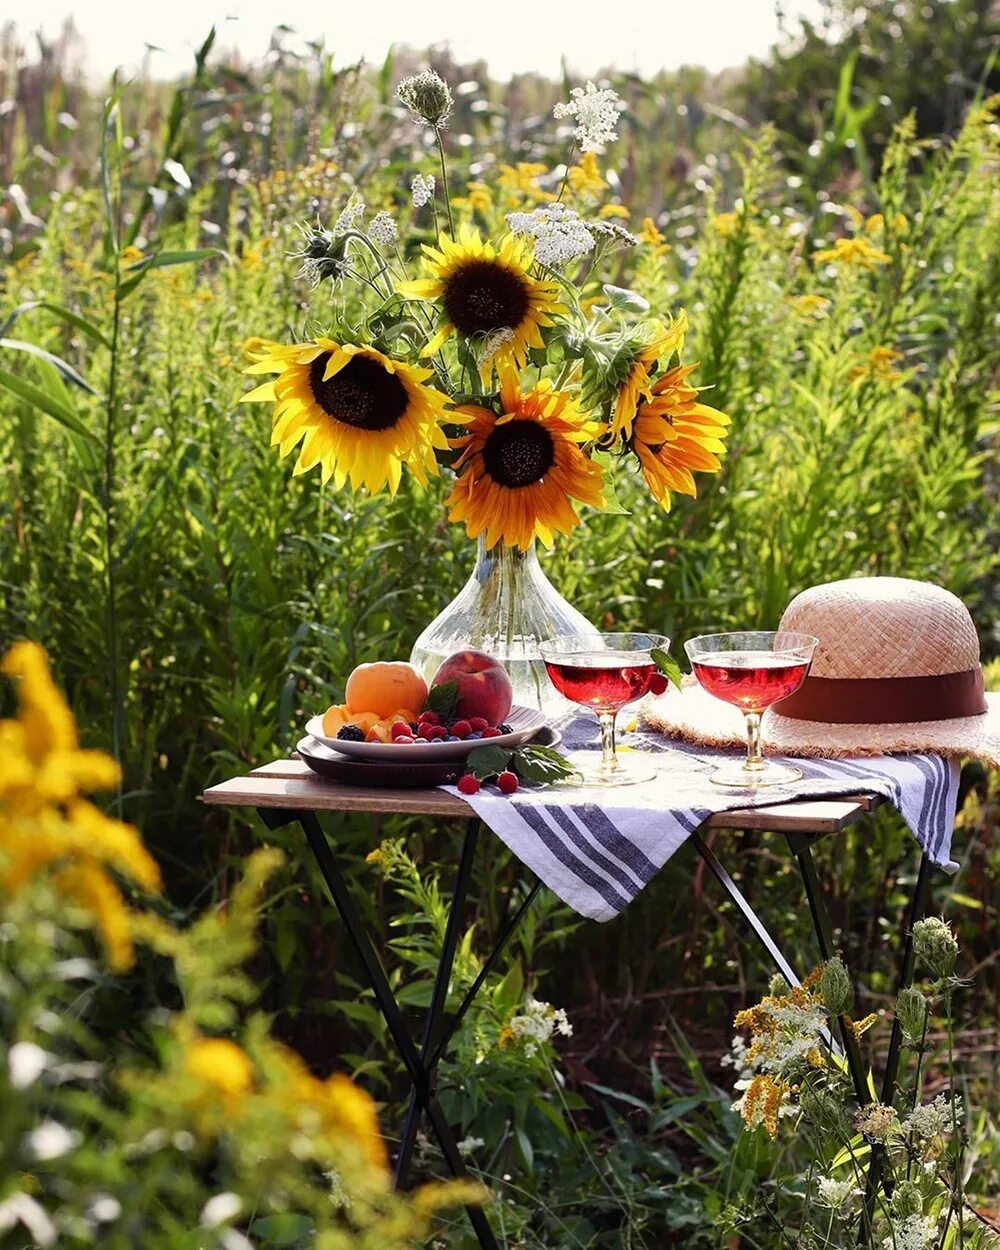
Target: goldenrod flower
x=725, y=224
x=880, y=365
x=675, y=436
x=521, y=471
x=482, y=289
x=585, y=178
x=358, y=414
x=223, y=1066
x=814, y=306
x=522, y=180
x=856, y=251
x=614, y=210
x=653, y=237
x=661, y=345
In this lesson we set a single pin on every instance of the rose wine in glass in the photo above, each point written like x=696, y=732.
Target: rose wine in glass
x=752, y=670
x=604, y=673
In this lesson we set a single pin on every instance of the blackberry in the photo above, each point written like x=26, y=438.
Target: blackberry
x=351, y=733
x=505, y=728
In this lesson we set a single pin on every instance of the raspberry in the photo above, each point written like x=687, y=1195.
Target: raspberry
x=469, y=784
x=658, y=684
x=480, y=723
x=507, y=783
x=491, y=731
x=462, y=728
x=400, y=728
x=351, y=733
x=404, y=740
x=437, y=733
x=429, y=718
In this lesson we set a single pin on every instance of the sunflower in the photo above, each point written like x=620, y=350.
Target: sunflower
x=661, y=343
x=486, y=293
x=523, y=469
x=357, y=413
x=674, y=434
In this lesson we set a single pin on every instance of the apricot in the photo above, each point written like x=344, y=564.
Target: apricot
x=384, y=687
x=363, y=720
x=379, y=733
x=334, y=719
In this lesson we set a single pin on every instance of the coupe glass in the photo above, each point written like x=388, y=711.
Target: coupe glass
x=752, y=670
x=603, y=673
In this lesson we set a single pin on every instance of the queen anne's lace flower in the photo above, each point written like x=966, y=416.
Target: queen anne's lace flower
x=537, y=1024
x=934, y=1119
x=383, y=230
x=560, y=234
x=422, y=190
x=913, y=1233
x=350, y=216
x=836, y=1194
x=876, y=1121
x=596, y=111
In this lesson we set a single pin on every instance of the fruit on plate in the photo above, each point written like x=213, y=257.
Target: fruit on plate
x=385, y=688
x=483, y=688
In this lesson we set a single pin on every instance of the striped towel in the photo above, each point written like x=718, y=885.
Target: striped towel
x=596, y=849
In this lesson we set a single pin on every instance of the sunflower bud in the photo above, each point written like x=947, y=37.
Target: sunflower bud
x=935, y=944
x=427, y=96
x=907, y=1200
x=835, y=987
x=911, y=1012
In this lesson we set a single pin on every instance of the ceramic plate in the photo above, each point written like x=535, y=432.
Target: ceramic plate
x=525, y=722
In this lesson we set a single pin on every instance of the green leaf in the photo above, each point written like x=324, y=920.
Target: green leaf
x=485, y=762
x=667, y=665
x=623, y=299
x=44, y=403
x=65, y=314
x=67, y=370
x=442, y=699
x=541, y=764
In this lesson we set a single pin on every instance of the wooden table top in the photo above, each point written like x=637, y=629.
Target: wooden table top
x=292, y=785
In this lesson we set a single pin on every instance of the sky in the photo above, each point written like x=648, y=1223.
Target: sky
x=514, y=35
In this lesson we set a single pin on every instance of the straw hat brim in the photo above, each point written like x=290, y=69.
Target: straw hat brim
x=698, y=717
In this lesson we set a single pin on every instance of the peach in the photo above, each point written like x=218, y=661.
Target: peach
x=334, y=719
x=378, y=733
x=484, y=689
x=383, y=687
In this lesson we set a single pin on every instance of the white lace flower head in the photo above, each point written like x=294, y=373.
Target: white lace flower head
x=596, y=111
x=559, y=232
x=422, y=190
x=383, y=230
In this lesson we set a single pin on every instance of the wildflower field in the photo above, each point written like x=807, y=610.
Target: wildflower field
x=186, y=1056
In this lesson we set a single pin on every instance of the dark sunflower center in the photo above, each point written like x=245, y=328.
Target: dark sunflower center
x=482, y=296
x=519, y=453
x=361, y=394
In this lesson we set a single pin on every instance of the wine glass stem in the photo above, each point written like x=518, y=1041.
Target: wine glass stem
x=755, y=760
x=609, y=760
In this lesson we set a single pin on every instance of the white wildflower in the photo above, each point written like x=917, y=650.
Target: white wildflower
x=913, y=1233
x=876, y=1121
x=427, y=97
x=220, y=1209
x=230, y=1239
x=25, y=1064
x=383, y=230
x=614, y=230
x=422, y=190
x=596, y=111
x=350, y=216
x=21, y=1209
x=51, y=1140
x=560, y=234
x=836, y=1194
x=468, y=1145
x=933, y=1119
x=104, y=1208
x=536, y=1026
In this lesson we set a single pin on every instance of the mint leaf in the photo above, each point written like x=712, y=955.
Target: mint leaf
x=486, y=762
x=443, y=699
x=542, y=765
x=667, y=665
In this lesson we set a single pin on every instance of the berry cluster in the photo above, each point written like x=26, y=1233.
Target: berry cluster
x=429, y=727
x=470, y=784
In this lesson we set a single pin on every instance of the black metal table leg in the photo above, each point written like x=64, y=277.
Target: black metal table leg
x=801, y=849
x=439, y=997
x=405, y=1047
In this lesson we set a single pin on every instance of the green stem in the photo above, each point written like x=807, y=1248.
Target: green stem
x=444, y=181
x=569, y=162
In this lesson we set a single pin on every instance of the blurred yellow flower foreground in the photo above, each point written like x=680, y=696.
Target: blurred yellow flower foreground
x=291, y=1141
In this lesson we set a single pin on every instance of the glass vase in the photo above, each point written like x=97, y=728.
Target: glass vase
x=506, y=608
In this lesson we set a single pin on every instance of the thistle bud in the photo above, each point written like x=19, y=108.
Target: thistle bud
x=907, y=1200
x=911, y=1012
x=835, y=987
x=935, y=945
x=427, y=96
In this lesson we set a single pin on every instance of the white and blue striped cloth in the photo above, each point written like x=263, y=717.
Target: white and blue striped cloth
x=596, y=849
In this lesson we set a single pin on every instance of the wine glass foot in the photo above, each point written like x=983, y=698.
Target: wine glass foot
x=630, y=770
x=740, y=777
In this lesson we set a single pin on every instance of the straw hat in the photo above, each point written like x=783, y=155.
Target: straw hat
x=896, y=670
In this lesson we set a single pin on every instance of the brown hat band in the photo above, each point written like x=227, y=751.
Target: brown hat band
x=886, y=700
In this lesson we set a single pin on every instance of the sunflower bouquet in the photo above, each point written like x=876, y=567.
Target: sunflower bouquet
x=475, y=332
